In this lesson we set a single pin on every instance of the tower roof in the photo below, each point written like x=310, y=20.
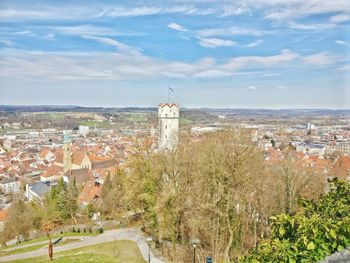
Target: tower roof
x=168, y=105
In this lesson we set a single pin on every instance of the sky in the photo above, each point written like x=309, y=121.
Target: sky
x=212, y=53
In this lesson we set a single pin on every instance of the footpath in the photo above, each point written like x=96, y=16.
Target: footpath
x=133, y=234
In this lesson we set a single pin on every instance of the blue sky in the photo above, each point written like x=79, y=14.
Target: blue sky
x=213, y=53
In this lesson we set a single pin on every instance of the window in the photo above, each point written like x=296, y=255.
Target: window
x=166, y=126
x=166, y=136
x=166, y=115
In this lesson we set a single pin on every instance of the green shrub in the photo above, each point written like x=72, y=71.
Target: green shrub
x=320, y=229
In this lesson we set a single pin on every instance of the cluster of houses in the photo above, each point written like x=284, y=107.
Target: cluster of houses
x=32, y=166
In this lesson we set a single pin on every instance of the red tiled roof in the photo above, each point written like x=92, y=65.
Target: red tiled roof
x=168, y=105
x=77, y=157
x=44, y=152
x=53, y=170
x=90, y=192
x=4, y=215
x=59, y=156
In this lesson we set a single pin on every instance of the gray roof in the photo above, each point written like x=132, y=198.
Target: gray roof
x=40, y=188
x=6, y=181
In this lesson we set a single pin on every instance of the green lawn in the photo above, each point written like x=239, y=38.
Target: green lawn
x=118, y=252
x=185, y=121
x=137, y=117
x=54, y=237
x=92, y=124
x=35, y=247
x=21, y=250
x=68, y=241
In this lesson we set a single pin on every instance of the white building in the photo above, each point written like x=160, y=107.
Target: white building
x=168, y=116
x=9, y=185
x=343, y=147
x=83, y=130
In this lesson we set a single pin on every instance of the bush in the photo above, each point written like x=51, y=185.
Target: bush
x=320, y=229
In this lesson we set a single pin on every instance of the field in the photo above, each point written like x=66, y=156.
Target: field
x=117, y=252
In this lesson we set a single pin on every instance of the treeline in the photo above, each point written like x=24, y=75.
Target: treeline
x=217, y=188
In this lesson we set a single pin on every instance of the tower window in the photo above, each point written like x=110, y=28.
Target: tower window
x=166, y=136
x=166, y=126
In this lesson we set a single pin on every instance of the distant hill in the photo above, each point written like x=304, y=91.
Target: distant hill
x=232, y=112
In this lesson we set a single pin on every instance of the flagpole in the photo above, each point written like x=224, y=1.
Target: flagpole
x=168, y=94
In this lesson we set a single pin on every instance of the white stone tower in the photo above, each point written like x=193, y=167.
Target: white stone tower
x=168, y=116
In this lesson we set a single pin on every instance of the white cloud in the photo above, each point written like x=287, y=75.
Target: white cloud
x=252, y=88
x=93, y=11
x=86, y=30
x=47, y=12
x=291, y=10
x=23, y=14
x=255, y=43
x=299, y=26
x=177, y=27
x=129, y=12
x=235, y=10
x=321, y=59
x=340, y=18
x=285, y=57
x=112, y=42
x=280, y=10
x=128, y=63
x=216, y=42
x=212, y=74
x=155, y=10
x=342, y=43
x=24, y=33
x=6, y=42
x=280, y=87
x=231, y=31
x=344, y=68
x=50, y=36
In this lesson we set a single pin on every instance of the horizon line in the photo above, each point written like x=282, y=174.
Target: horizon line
x=145, y=107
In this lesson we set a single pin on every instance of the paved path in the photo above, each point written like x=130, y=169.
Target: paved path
x=132, y=234
x=44, y=242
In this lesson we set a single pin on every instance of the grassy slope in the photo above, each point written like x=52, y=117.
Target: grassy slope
x=118, y=252
x=54, y=237
x=21, y=250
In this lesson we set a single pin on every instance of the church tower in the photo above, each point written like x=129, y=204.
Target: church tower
x=67, y=153
x=168, y=116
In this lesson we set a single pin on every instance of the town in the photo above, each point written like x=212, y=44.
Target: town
x=97, y=144
x=38, y=149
